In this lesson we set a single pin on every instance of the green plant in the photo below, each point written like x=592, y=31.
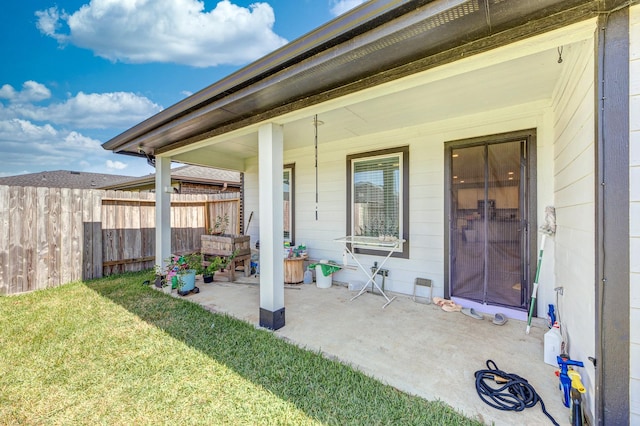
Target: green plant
x=214, y=265
x=159, y=271
x=221, y=224
x=174, y=265
x=179, y=265
x=227, y=260
x=194, y=262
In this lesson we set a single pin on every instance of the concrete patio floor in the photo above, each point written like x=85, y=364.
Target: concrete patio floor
x=417, y=348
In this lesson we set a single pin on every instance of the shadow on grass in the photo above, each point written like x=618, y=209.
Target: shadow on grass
x=324, y=389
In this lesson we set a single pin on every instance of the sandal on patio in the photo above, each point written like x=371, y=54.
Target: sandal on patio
x=470, y=312
x=439, y=301
x=446, y=305
x=499, y=319
x=451, y=306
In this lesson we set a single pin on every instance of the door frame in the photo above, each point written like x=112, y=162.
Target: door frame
x=529, y=196
x=291, y=167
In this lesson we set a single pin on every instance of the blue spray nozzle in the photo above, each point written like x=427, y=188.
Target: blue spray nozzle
x=564, y=362
x=552, y=316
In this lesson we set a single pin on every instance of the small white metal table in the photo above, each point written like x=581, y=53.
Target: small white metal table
x=351, y=241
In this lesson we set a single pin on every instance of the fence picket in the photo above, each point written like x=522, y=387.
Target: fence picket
x=28, y=239
x=16, y=221
x=96, y=234
x=65, y=235
x=76, y=202
x=53, y=235
x=4, y=240
x=42, y=237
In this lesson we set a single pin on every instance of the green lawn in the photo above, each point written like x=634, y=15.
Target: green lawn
x=114, y=352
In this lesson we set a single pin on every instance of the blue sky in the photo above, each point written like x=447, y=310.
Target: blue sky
x=77, y=73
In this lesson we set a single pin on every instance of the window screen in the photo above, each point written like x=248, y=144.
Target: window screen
x=376, y=196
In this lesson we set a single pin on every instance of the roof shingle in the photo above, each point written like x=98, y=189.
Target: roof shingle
x=64, y=179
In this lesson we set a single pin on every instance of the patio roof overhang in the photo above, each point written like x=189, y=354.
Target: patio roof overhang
x=378, y=42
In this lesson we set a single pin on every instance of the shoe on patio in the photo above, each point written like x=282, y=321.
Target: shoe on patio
x=470, y=312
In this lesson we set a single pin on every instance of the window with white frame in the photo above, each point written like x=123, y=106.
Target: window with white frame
x=378, y=197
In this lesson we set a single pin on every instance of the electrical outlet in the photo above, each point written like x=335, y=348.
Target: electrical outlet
x=383, y=272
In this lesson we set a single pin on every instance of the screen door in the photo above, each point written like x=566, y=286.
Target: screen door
x=487, y=238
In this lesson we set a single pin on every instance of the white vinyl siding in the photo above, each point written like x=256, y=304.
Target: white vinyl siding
x=634, y=214
x=426, y=180
x=574, y=199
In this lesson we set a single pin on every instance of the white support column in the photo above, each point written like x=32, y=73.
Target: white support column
x=270, y=163
x=163, y=212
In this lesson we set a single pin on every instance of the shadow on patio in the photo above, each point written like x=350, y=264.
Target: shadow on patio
x=417, y=348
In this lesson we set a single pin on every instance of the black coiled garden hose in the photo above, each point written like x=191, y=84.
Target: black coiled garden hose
x=507, y=392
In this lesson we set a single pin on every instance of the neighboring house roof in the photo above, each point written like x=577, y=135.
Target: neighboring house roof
x=64, y=179
x=376, y=42
x=191, y=174
x=85, y=180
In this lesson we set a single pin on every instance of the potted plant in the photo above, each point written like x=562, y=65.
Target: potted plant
x=160, y=276
x=194, y=262
x=214, y=265
x=182, y=270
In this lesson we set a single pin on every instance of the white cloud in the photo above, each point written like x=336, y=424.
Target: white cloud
x=115, y=165
x=178, y=31
x=17, y=130
x=76, y=141
x=47, y=137
x=341, y=6
x=24, y=144
x=48, y=22
x=26, y=147
x=32, y=91
x=100, y=110
x=85, y=110
x=7, y=92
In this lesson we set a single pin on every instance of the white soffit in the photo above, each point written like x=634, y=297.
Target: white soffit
x=522, y=72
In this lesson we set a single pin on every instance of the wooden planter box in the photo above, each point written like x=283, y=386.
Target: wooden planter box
x=224, y=246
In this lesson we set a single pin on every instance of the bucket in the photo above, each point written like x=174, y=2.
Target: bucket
x=321, y=280
x=187, y=280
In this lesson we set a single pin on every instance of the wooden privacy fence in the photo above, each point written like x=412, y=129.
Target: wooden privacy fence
x=52, y=236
